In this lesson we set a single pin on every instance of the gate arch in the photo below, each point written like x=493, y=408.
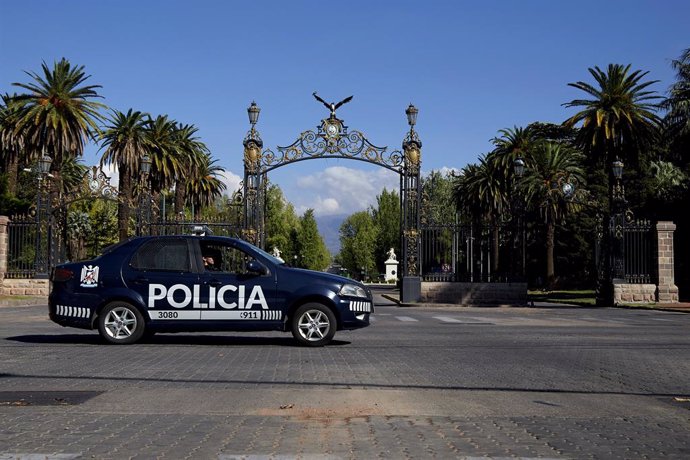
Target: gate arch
x=333, y=139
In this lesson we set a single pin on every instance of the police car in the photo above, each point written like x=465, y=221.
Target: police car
x=181, y=283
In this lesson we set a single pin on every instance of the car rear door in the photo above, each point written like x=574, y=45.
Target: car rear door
x=162, y=271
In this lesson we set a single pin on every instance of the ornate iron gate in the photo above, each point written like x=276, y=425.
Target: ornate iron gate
x=333, y=139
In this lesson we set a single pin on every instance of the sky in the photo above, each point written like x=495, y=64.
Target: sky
x=471, y=68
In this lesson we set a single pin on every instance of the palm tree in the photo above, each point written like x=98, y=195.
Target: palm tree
x=480, y=189
x=58, y=114
x=512, y=144
x=205, y=186
x=11, y=140
x=677, y=120
x=124, y=140
x=192, y=154
x=619, y=122
x=166, y=165
x=549, y=168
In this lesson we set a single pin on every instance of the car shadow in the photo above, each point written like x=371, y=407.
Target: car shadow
x=168, y=339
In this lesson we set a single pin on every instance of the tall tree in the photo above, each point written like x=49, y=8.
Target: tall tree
x=124, y=140
x=59, y=114
x=386, y=216
x=677, y=119
x=281, y=219
x=311, y=249
x=480, y=191
x=166, y=164
x=205, y=185
x=357, y=241
x=620, y=120
x=11, y=141
x=191, y=154
x=551, y=169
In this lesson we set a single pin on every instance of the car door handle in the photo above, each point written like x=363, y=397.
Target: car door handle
x=141, y=280
x=214, y=282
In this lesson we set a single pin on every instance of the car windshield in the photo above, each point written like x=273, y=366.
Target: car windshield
x=270, y=257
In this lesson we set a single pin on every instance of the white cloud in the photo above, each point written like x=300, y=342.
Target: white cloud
x=112, y=172
x=341, y=190
x=231, y=181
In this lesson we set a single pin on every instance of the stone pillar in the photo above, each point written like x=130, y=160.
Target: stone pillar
x=667, y=291
x=4, y=221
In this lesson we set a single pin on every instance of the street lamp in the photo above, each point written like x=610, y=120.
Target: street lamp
x=518, y=210
x=519, y=167
x=40, y=259
x=617, y=224
x=253, y=111
x=411, y=113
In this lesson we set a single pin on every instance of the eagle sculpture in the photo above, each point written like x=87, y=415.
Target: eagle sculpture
x=332, y=106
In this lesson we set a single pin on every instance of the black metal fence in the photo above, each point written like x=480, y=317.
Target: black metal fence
x=639, y=260
x=470, y=253
x=179, y=227
x=21, y=247
x=640, y=245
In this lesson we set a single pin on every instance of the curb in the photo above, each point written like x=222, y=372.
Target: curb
x=23, y=301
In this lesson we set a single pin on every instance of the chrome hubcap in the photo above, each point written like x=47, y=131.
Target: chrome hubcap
x=314, y=325
x=120, y=323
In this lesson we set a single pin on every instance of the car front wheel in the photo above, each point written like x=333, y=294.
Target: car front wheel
x=313, y=325
x=121, y=323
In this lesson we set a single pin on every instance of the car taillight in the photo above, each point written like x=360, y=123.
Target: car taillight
x=61, y=274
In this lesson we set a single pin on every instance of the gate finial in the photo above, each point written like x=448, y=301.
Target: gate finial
x=332, y=106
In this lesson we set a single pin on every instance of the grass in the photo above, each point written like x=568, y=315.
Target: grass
x=586, y=298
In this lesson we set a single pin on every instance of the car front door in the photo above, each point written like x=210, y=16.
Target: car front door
x=232, y=292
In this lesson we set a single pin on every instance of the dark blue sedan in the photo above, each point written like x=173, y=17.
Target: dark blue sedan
x=202, y=283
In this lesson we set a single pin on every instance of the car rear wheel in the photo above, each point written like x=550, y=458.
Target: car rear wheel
x=121, y=323
x=313, y=325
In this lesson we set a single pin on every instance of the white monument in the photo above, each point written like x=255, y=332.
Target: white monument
x=391, y=267
x=276, y=253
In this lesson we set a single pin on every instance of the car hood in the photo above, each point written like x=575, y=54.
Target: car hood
x=327, y=277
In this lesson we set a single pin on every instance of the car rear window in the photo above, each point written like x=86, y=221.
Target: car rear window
x=163, y=255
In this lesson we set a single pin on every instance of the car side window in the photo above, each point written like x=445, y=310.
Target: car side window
x=163, y=255
x=224, y=258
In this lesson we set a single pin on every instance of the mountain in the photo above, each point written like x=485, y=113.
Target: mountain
x=329, y=227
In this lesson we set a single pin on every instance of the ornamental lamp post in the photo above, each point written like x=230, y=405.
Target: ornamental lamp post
x=518, y=210
x=410, y=196
x=145, y=201
x=411, y=113
x=253, y=190
x=519, y=167
x=40, y=259
x=145, y=166
x=44, y=164
x=617, y=225
x=253, y=111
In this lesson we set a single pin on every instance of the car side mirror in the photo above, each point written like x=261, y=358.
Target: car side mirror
x=254, y=266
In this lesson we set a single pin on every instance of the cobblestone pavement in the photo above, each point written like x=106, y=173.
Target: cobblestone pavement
x=418, y=383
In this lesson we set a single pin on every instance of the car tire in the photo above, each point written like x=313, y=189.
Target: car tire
x=313, y=325
x=121, y=323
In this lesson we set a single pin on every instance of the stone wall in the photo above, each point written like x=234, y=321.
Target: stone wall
x=474, y=293
x=634, y=293
x=30, y=287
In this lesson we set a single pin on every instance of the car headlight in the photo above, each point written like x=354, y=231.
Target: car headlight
x=352, y=290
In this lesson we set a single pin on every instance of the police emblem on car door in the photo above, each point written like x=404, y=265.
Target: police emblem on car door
x=236, y=286
x=161, y=271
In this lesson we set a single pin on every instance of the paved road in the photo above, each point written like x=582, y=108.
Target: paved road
x=419, y=383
